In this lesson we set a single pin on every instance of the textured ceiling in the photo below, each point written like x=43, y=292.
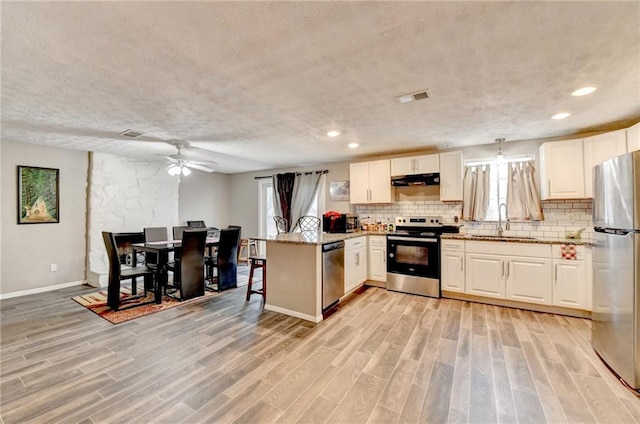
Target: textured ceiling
x=256, y=85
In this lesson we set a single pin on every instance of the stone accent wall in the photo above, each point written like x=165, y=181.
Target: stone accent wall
x=559, y=216
x=125, y=196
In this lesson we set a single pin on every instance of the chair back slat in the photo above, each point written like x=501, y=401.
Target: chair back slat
x=155, y=234
x=281, y=224
x=228, y=258
x=192, y=263
x=177, y=231
x=309, y=223
x=196, y=224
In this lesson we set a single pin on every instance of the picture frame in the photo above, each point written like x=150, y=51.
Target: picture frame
x=339, y=191
x=38, y=195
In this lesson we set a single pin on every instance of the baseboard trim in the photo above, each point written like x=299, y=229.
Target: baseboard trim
x=578, y=313
x=41, y=289
x=296, y=314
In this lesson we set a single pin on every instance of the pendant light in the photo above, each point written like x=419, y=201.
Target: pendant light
x=500, y=155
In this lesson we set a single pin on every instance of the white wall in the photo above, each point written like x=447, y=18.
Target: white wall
x=244, y=193
x=28, y=250
x=126, y=196
x=205, y=197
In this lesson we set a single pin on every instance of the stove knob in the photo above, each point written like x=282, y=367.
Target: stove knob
x=432, y=221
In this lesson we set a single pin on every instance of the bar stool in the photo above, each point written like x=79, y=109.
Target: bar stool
x=246, y=249
x=257, y=262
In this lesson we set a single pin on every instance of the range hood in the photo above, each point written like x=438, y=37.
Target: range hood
x=416, y=180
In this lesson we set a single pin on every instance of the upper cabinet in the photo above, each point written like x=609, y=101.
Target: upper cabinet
x=370, y=182
x=599, y=148
x=633, y=138
x=426, y=164
x=562, y=170
x=451, y=175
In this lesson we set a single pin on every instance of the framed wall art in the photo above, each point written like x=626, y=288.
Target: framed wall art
x=38, y=195
x=339, y=191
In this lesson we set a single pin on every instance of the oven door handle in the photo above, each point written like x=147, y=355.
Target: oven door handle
x=426, y=240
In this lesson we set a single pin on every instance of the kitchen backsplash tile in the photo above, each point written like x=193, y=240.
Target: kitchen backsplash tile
x=559, y=216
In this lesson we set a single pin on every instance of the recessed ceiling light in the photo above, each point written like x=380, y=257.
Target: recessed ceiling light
x=333, y=133
x=561, y=115
x=353, y=145
x=583, y=91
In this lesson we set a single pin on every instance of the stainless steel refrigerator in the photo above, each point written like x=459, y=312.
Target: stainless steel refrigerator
x=616, y=272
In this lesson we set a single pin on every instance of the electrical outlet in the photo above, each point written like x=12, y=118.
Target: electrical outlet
x=53, y=267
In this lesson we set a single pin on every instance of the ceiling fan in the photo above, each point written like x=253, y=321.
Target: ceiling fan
x=180, y=164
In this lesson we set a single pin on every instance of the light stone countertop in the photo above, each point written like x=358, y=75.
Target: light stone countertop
x=312, y=237
x=515, y=239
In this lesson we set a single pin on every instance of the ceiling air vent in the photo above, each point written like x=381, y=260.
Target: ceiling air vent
x=418, y=95
x=131, y=133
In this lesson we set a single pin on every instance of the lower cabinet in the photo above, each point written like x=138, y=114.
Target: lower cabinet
x=355, y=263
x=529, y=280
x=452, y=266
x=514, y=271
x=485, y=275
x=570, y=280
x=377, y=258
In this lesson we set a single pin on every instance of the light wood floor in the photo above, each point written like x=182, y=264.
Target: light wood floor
x=384, y=357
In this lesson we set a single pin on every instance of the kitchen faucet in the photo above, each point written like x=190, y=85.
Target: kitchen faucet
x=500, y=219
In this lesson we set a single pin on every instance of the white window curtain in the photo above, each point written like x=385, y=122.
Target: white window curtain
x=305, y=188
x=475, y=200
x=523, y=198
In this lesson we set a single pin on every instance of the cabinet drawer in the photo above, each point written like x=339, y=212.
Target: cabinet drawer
x=509, y=248
x=377, y=241
x=452, y=245
x=556, y=252
x=355, y=243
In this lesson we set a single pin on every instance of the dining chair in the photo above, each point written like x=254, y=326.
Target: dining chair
x=281, y=224
x=154, y=234
x=188, y=270
x=308, y=223
x=196, y=224
x=117, y=274
x=222, y=268
x=178, y=230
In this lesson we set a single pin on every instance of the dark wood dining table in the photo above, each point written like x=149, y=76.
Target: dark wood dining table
x=162, y=249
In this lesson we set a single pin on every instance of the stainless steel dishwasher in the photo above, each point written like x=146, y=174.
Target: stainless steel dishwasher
x=332, y=273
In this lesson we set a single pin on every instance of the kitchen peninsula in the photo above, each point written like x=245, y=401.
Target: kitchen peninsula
x=295, y=272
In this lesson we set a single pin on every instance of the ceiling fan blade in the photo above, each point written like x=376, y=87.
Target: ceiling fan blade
x=169, y=158
x=198, y=167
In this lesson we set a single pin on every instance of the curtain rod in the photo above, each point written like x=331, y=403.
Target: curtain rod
x=323, y=171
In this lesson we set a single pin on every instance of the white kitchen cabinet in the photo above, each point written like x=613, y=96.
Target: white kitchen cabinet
x=599, y=148
x=451, y=176
x=377, y=258
x=633, y=138
x=370, y=182
x=529, y=279
x=485, y=275
x=515, y=271
x=355, y=263
x=570, y=280
x=452, y=265
x=562, y=170
x=425, y=164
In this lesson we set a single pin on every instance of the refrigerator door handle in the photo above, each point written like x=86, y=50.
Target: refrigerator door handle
x=613, y=231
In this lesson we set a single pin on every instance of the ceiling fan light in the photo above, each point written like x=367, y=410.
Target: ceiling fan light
x=185, y=171
x=173, y=170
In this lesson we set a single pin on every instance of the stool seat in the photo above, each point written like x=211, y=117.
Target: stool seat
x=257, y=261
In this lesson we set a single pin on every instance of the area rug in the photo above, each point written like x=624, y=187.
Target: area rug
x=97, y=303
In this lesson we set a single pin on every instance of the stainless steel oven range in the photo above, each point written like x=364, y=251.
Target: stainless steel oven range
x=413, y=255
